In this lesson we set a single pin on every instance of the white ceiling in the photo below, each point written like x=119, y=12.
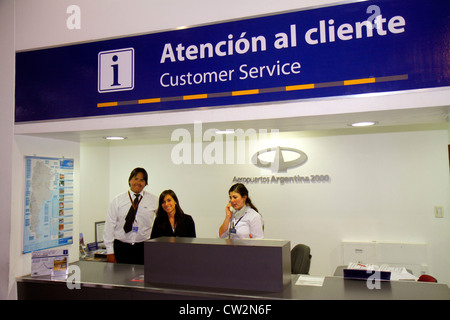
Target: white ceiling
x=386, y=120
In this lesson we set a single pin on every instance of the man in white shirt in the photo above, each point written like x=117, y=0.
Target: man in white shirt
x=129, y=221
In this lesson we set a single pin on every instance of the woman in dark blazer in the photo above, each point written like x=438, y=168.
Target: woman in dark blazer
x=170, y=219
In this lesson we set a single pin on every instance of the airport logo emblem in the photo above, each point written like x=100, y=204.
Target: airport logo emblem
x=116, y=70
x=276, y=159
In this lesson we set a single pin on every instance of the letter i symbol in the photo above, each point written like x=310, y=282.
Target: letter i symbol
x=115, y=71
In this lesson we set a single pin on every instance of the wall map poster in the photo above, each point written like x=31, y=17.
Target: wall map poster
x=48, y=218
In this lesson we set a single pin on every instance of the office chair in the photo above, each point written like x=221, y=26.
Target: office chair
x=300, y=259
x=427, y=278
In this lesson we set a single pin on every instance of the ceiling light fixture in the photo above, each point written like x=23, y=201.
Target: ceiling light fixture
x=115, y=138
x=363, y=124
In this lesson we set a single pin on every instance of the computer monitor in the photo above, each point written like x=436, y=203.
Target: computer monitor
x=99, y=225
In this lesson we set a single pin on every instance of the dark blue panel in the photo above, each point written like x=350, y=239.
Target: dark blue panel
x=323, y=50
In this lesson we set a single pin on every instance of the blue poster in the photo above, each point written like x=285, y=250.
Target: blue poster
x=347, y=49
x=48, y=217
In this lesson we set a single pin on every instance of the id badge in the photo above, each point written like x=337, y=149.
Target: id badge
x=135, y=227
x=233, y=230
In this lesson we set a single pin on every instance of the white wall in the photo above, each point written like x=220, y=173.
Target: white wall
x=383, y=187
x=94, y=186
x=6, y=141
x=42, y=23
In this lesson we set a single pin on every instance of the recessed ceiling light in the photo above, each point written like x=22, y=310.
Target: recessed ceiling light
x=228, y=131
x=115, y=138
x=364, y=124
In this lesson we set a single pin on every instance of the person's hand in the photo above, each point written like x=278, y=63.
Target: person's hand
x=228, y=211
x=111, y=258
x=226, y=222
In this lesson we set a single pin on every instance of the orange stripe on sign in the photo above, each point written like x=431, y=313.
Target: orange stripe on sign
x=153, y=100
x=300, y=87
x=358, y=81
x=244, y=92
x=107, y=104
x=195, y=96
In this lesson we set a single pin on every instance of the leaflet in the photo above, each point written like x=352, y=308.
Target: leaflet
x=397, y=273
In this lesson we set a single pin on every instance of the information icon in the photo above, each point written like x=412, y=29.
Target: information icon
x=116, y=70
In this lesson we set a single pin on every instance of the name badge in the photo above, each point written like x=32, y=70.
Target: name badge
x=233, y=230
x=135, y=227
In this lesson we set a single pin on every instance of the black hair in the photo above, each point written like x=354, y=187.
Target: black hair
x=136, y=171
x=242, y=190
x=178, y=211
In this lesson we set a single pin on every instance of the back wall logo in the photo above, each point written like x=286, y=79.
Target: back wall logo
x=280, y=160
x=116, y=70
x=277, y=162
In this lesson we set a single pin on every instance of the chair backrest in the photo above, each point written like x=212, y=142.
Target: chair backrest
x=427, y=278
x=300, y=259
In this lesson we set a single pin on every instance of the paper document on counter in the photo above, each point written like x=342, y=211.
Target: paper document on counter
x=397, y=273
x=307, y=280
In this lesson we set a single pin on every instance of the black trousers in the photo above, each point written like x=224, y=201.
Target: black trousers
x=129, y=253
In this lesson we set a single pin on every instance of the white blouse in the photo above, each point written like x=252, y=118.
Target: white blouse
x=246, y=225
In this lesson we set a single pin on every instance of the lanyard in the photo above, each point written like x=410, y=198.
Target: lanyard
x=239, y=219
x=135, y=206
x=233, y=226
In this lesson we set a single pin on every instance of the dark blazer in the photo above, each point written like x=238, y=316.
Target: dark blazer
x=162, y=228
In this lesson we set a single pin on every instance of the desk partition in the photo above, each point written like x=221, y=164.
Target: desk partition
x=253, y=264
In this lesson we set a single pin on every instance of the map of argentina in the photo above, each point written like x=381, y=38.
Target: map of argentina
x=48, y=218
x=41, y=182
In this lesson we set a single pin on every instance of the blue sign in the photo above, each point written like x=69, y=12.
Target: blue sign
x=362, y=47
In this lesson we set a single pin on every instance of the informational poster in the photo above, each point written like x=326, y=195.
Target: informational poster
x=53, y=262
x=48, y=218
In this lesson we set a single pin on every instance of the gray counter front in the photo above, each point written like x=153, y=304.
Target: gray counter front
x=254, y=264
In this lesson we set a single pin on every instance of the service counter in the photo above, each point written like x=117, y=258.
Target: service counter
x=108, y=281
x=102, y=280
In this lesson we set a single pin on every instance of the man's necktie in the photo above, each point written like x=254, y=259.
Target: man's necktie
x=131, y=215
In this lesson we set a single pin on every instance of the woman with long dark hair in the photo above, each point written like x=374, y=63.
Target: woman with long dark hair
x=170, y=219
x=242, y=219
